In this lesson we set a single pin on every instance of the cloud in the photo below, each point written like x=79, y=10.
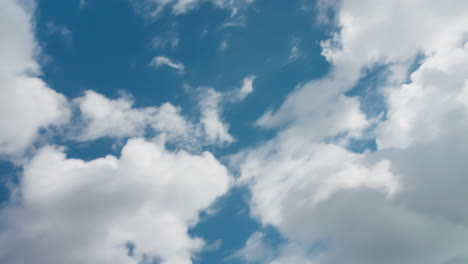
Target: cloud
x=66, y=210
x=159, y=61
x=154, y=7
x=168, y=39
x=27, y=104
x=246, y=88
x=75, y=211
x=294, y=52
x=400, y=203
x=99, y=116
x=421, y=110
x=53, y=28
x=223, y=46
x=256, y=250
x=83, y=3
x=115, y=118
x=209, y=103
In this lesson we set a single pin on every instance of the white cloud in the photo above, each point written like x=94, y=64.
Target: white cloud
x=210, y=117
x=243, y=91
x=255, y=250
x=294, y=52
x=72, y=211
x=100, y=116
x=401, y=203
x=258, y=250
x=27, y=104
x=168, y=39
x=246, y=88
x=115, y=118
x=159, y=61
x=210, y=103
x=429, y=104
x=223, y=46
x=155, y=7
x=53, y=28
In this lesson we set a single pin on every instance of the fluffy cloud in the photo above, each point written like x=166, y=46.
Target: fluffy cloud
x=103, y=117
x=100, y=116
x=27, y=104
x=73, y=211
x=431, y=103
x=402, y=203
x=90, y=210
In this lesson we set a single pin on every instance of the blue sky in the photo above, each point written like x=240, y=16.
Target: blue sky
x=233, y=131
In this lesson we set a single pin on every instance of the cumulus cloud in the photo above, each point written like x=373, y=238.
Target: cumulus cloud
x=99, y=116
x=104, y=117
x=75, y=211
x=27, y=104
x=400, y=203
x=66, y=210
x=159, y=61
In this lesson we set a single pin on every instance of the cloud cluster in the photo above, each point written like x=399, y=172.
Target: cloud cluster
x=402, y=202
x=90, y=210
x=134, y=208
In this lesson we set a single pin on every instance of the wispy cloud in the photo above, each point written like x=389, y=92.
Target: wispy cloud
x=168, y=39
x=53, y=28
x=223, y=46
x=247, y=88
x=294, y=49
x=83, y=3
x=159, y=61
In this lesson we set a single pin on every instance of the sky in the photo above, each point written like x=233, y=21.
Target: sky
x=233, y=131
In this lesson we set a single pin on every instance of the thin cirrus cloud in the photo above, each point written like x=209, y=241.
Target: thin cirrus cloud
x=153, y=8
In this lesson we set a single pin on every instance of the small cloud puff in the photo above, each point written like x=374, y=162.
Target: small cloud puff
x=159, y=61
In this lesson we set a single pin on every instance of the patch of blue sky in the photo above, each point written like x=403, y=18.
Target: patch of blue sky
x=229, y=223
x=8, y=178
x=112, y=48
